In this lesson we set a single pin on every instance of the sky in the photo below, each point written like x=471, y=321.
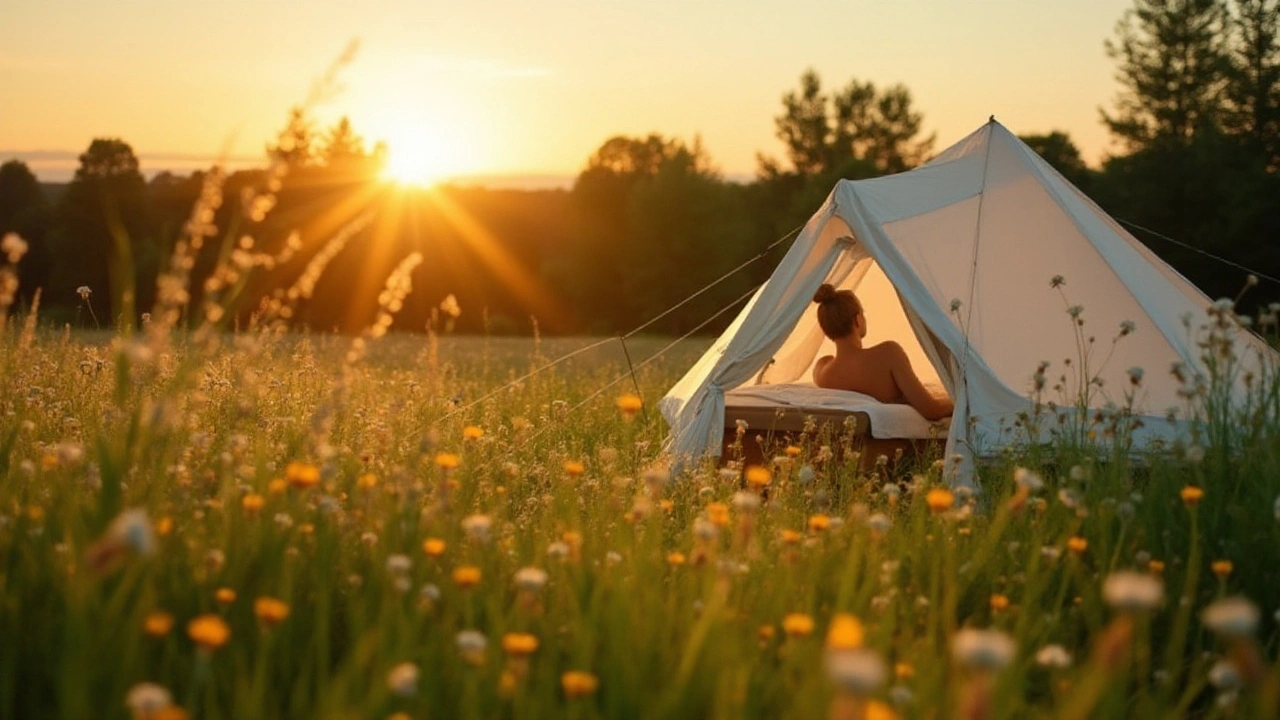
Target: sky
x=504, y=88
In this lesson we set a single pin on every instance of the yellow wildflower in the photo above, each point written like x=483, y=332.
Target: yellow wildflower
x=225, y=595
x=797, y=624
x=666, y=504
x=718, y=514
x=877, y=710
x=793, y=451
x=1155, y=566
x=157, y=624
x=1077, y=545
x=790, y=537
x=433, y=547
x=1191, y=495
x=819, y=522
x=277, y=486
x=939, y=499
x=904, y=671
x=629, y=405
x=270, y=611
x=466, y=576
x=446, y=461
x=1222, y=568
x=577, y=683
x=367, y=481
x=252, y=502
x=845, y=632
x=519, y=644
x=164, y=526
x=472, y=432
x=574, y=468
x=999, y=602
x=209, y=631
x=758, y=476
x=302, y=475
x=676, y=559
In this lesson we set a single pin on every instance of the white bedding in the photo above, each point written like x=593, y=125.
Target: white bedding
x=888, y=420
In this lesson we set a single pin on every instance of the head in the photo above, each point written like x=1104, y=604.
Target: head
x=839, y=312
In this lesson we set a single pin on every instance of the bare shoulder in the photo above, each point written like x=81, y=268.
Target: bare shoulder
x=820, y=369
x=888, y=348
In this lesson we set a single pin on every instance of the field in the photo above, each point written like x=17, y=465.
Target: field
x=254, y=526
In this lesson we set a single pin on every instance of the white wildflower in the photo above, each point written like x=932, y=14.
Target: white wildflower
x=1232, y=617
x=983, y=649
x=1129, y=591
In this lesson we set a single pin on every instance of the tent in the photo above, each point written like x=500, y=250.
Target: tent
x=957, y=261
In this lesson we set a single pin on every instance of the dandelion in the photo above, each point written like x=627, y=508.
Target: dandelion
x=578, y=683
x=797, y=624
x=519, y=644
x=402, y=680
x=147, y=699
x=1127, y=591
x=302, y=475
x=1054, y=657
x=157, y=624
x=758, y=477
x=845, y=632
x=472, y=432
x=983, y=649
x=446, y=461
x=1233, y=617
x=466, y=576
x=1222, y=568
x=629, y=405
x=433, y=547
x=1191, y=495
x=209, y=631
x=819, y=523
x=270, y=611
x=939, y=499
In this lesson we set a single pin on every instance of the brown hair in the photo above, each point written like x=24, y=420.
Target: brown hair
x=837, y=310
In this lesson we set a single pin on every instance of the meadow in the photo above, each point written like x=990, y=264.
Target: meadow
x=263, y=525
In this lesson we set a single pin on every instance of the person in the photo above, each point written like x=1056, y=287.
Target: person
x=881, y=371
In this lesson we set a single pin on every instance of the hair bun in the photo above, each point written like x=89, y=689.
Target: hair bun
x=826, y=293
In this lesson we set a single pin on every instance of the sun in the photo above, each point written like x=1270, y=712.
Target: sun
x=419, y=157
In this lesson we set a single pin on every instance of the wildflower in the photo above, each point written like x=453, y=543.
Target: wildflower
x=629, y=405
x=472, y=432
x=398, y=564
x=1128, y=591
x=574, y=468
x=1191, y=495
x=806, y=474
x=999, y=602
x=519, y=644
x=1221, y=568
x=449, y=306
x=1077, y=545
x=1224, y=675
x=209, y=631
x=1054, y=657
x=1135, y=375
x=367, y=481
x=758, y=476
x=746, y=501
x=955, y=304
x=939, y=499
x=446, y=461
x=403, y=680
x=132, y=529
x=1027, y=479
x=252, y=503
x=225, y=595
x=718, y=514
x=557, y=550
x=531, y=579
x=1074, y=311
x=676, y=559
x=859, y=671
x=84, y=292
x=1155, y=567
x=477, y=527
x=433, y=547
x=797, y=624
x=577, y=683
x=879, y=523
x=471, y=645
x=147, y=699
x=1194, y=454
x=13, y=248
x=466, y=576
x=845, y=632
x=790, y=537
x=1233, y=617
x=819, y=522
x=1056, y=281
x=983, y=649
x=157, y=624
x=277, y=486
x=302, y=475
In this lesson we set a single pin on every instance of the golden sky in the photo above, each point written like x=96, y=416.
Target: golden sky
x=533, y=86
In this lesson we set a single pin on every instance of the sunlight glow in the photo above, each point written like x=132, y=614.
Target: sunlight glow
x=418, y=157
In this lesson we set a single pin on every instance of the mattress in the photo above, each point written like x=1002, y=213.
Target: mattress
x=780, y=407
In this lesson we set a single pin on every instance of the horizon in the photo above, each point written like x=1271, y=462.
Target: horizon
x=500, y=90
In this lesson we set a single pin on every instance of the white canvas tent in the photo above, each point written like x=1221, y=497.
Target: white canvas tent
x=984, y=225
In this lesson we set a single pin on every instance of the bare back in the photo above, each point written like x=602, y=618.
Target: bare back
x=883, y=372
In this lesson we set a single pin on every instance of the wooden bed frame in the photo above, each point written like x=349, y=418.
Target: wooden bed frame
x=773, y=428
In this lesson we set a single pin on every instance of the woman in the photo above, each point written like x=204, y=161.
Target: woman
x=881, y=371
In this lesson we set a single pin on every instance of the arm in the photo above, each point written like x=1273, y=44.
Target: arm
x=916, y=394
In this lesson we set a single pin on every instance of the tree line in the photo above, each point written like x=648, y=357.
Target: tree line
x=651, y=220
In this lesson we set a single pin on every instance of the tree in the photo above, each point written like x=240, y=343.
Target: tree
x=25, y=211
x=1059, y=151
x=1253, y=78
x=1172, y=56
x=824, y=133
x=295, y=145
x=103, y=236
